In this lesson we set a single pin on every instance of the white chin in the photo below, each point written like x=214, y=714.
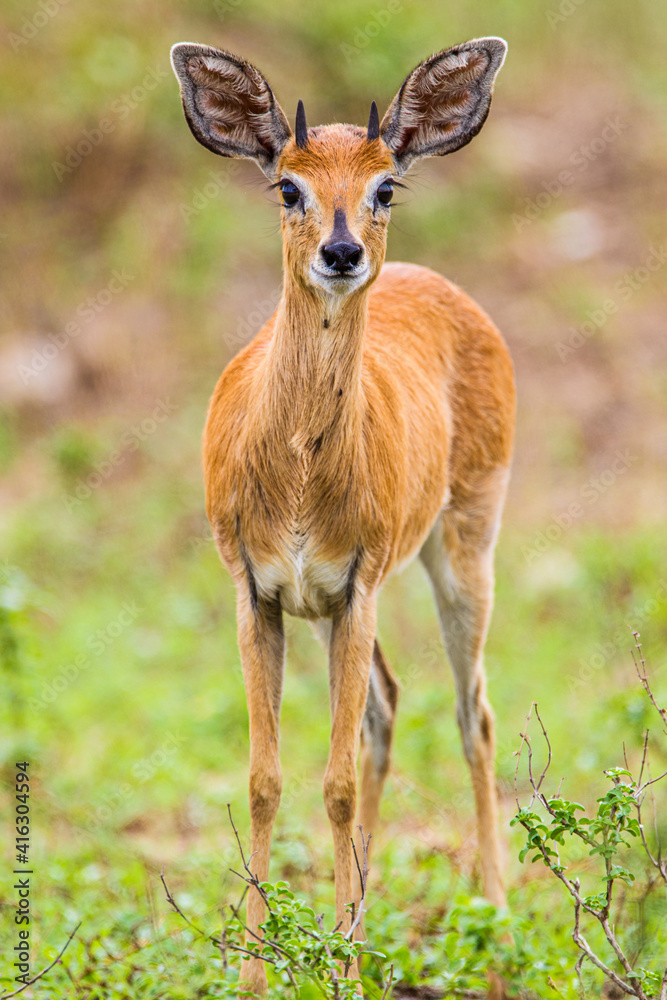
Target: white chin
x=338, y=285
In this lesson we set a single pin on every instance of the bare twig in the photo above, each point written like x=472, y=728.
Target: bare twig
x=236, y=834
x=334, y=971
x=580, y=976
x=517, y=754
x=356, y=860
x=223, y=940
x=652, y=781
x=644, y=756
x=643, y=677
x=389, y=984
x=251, y=879
x=583, y=944
x=172, y=902
x=253, y=954
x=218, y=942
x=658, y=862
x=363, y=877
x=40, y=975
x=548, y=763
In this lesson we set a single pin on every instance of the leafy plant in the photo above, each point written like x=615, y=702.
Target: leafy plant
x=608, y=834
x=293, y=939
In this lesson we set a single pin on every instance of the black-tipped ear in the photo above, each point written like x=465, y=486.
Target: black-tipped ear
x=373, y=131
x=444, y=102
x=229, y=106
x=301, y=128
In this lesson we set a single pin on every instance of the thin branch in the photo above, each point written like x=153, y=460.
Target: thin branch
x=643, y=677
x=580, y=976
x=644, y=755
x=661, y=862
x=238, y=839
x=253, y=954
x=363, y=876
x=546, y=737
x=611, y=938
x=517, y=754
x=583, y=944
x=172, y=902
x=223, y=940
x=390, y=983
x=252, y=880
x=334, y=971
x=40, y=975
x=356, y=860
x=652, y=781
x=658, y=862
x=218, y=942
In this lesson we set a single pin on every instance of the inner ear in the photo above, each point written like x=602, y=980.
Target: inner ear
x=444, y=102
x=229, y=105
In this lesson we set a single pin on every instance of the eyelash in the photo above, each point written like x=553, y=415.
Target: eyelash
x=283, y=185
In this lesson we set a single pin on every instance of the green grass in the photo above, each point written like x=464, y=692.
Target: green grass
x=136, y=749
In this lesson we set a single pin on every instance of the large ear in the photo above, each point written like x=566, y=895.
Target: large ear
x=229, y=105
x=444, y=102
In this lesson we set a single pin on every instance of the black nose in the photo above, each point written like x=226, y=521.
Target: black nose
x=342, y=257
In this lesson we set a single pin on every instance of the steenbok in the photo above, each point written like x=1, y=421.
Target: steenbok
x=370, y=420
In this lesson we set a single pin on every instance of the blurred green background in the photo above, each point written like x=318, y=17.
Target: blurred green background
x=134, y=264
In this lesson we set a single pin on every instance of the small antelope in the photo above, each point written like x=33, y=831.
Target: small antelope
x=371, y=419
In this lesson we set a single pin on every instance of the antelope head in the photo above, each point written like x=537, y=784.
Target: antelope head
x=336, y=181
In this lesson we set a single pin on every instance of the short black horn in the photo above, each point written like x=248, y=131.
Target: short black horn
x=373, y=123
x=301, y=127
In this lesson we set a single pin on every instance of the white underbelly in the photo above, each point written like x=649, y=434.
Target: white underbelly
x=306, y=585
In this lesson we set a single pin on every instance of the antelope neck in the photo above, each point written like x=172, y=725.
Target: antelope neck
x=314, y=363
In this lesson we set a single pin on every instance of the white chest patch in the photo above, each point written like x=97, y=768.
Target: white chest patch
x=306, y=584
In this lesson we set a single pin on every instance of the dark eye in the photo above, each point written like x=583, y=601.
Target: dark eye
x=290, y=193
x=385, y=192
